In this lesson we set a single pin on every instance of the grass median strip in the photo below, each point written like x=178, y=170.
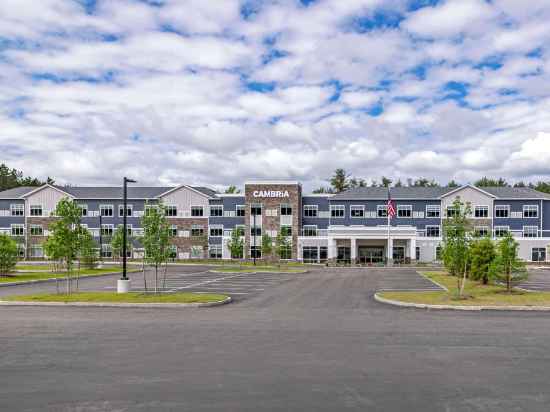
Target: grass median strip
x=478, y=294
x=112, y=297
x=30, y=276
x=251, y=269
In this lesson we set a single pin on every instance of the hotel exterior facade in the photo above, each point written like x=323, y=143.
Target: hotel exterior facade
x=348, y=227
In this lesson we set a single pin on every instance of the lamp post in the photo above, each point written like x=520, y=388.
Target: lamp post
x=123, y=285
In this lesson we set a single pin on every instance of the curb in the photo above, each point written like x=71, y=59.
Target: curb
x=260, y=271
x=433, y=281
x=49, y=280
x=118, y=305
x=399, y=303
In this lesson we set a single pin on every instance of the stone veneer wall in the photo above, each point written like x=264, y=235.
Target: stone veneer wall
x=184, y=244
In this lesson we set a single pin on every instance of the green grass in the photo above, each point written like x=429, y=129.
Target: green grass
x=25, y=277
x=477, y=294
x=112, y=297
x=249, y=269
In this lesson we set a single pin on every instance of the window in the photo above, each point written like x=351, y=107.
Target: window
x=36, y=251
x=310, y=254
x=255, y=231
x=417, y=253
x=197, y=211
x=481, y=230
x=255, y=252
x=216, y=210
x=481, y=211
x=17, y=230
x=106, y=250
x=37, y=230
x=404, y=210
x=311, y=210
x=172, y=252
x=106, y=210
x=451, y=211
x=241, y=210
x=337, y=211
x=323, y=254
x=121, y=210
x=382, y=210
x=530, y=231
x=36, y=210
x=17, y=210
x=501, y=231
x=171, y=211
x=432, y=210
x=21, y=251
x=538, y=254
x=502, y=211
x=106, y=230
x=197, y=231
x=357, y=211
x=83, y=210
x=148, y=209
x=310, y=230
x=432, y=231
x=173, y=231
x=286, y=210
x=438, y=253
x=256, y=209
x=216, y=231
x=530, y=211
x=215, y=252
x=286, y=230
x=286, y=253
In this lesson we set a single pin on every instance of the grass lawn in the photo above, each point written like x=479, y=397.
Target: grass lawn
x=113, y=297
x=22, y=277
x=478, y=294
x=249, y=269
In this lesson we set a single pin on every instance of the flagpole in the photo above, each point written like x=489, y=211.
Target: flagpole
x=388, y=216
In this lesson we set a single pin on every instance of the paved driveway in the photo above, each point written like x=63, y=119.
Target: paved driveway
x=314, y=343
x=539, y=280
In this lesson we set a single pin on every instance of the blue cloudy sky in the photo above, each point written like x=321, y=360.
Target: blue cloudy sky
x=217, y=91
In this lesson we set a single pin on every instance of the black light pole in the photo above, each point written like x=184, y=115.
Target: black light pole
x=100, y=239
x=124, y=214
x=254, y=224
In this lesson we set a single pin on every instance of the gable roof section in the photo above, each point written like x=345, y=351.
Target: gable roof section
x=458, y=189
x=203, y=191
x=46, y=186
x=381, y=193
x=517, y=193
x=114, y=192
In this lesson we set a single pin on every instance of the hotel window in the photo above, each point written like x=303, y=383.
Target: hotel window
x=432, y=210
x=438, y=253
x=37, y=230
x=36, y=210
x=337, y=211
x=36, y=251
x=216, y=231
x=121, y=210
x=106, y=230
x=255, y=251
x=17, y=210
x=216, y=210
x=241, y=210
x=286, y=210
x=106, y=210
x=197, y=231
x=310, y=230
x=21, y=251
x=172, y=252
x=481, y=211
x=311, y=210
x=83, y=210
x=451, y=211
x=256, y=209
x=171, y=211
x=286, y=230
x=173, y=231
x=538, y=254
x=255, y=231
x=432, y=231
x=404, y=210
x=501, y=231
x=17, y=230
x=215, y=252
x=530, y=231
x=417, y=254
x=357, y=211
x=382, y=210
x=530, y=211
x=481, y=230
x=197, y=211
x=502, y=210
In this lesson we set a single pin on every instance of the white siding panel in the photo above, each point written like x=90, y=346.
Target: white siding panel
x=184, y=198
x=47, y=197
x=468, y=194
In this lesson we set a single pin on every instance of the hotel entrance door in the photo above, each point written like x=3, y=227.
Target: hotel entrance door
x=370, y=254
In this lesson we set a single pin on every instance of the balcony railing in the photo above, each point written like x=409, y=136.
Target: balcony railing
x=314, y=232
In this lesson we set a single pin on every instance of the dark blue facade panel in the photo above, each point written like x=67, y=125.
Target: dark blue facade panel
x=517, y=206
x=546, y=217
x=6, y=221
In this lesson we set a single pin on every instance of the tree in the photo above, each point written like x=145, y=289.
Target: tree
x=423, y=182
x=236, y=244
x=281, y=245
x=64, y=242
x=482, y=255
x=8, y=254
x=542, y=187
x=323, y=190
x=398, y=183
x=386, y=182
x=452, y=183
x=88, y=253
x=117, y=241
x=156, y=237
x=267, y=245
x=339, y=181
x=10, y=178
x=232, y=190
x=506, y=266
x=456, y=239
x=357, y=182
x=489, y=182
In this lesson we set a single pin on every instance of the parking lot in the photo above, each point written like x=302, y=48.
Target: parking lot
x=539, y=280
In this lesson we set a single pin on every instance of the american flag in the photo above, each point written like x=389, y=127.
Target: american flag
x=390, y=206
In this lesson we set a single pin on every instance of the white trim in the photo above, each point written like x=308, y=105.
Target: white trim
x=337, y=207
x=438, y=230
x=500, y=227
x=407, y=207
x=312, y=207
x=481, y=217
x=529, y=217
x=530, y=226
x=44, y=187
x=466, y=186
x=438, y=212
x=196, y=206
x=502, y=207
x=181, y=187
x=359, y=207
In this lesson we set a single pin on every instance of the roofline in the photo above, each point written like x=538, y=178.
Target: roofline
x=231, y=195
x=272, y=182
x=180, y=187
x=44, y=186
x=470, y=186
x=319, y=195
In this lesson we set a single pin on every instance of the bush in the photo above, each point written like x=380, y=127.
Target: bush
x=482, y=254
x=8, y=255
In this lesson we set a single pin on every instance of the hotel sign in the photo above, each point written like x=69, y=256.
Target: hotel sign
x=270, y=193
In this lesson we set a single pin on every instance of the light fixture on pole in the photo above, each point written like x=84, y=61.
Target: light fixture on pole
x=123, y=285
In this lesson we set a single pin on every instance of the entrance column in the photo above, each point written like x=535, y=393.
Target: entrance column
x=331, y=250
x=412, y=244
x=353, y=251
x=389, y=252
